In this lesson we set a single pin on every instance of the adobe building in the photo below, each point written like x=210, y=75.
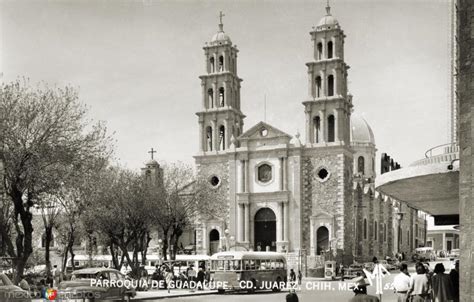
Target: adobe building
x=315, y=195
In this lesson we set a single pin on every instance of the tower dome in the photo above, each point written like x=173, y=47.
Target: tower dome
x=328, y=21
x=361, y=131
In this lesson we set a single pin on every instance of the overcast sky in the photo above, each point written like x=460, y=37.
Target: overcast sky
x=136, y=64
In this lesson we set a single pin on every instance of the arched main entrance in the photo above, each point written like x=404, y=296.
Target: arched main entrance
x=265, y=230
x=322, y=237
x=214, y=239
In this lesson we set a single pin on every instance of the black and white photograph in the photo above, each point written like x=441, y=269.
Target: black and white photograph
x=237, y=150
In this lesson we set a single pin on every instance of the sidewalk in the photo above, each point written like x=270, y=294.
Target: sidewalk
x=175, y=293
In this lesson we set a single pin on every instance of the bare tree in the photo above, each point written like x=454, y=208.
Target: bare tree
x=45, y=139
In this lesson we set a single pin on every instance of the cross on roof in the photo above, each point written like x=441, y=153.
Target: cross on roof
x=152, y=152
x=220, y=16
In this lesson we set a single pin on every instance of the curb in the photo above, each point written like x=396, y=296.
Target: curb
x=175, y=296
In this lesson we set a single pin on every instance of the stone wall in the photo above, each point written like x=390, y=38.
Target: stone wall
x=465, y=94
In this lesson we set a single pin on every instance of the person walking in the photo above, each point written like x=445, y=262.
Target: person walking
x=360, y=292
x=419, y=285
x=441, y=284
x=292, y=277
x=454, y=276
x=168, y=278
x=401, y=283
x=200, y=278
x=300, y=277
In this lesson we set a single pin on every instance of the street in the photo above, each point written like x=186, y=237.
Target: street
x=312, y=290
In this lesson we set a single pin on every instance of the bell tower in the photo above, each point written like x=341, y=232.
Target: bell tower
x=328, y=105
x=220, y=118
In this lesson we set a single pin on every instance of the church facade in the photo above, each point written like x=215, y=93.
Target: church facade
x=282, y=192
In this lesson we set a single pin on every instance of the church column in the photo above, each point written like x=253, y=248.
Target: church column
x=285, y=174
x=286, y=223
x=204, y=95
x=308, y=126
x=226, y=144
x=312, y=250
x=323, y=126
x=225, y=95
x=240, y=224
x=247, y=222
x=279, y=230
x=242, y=176
x=201, y=136
x=324, y=55
x=246, y=176
x=205, y=248
x=281, y=174
x=214, y=97
x=310, y=84
x=215, y=144
x=337, y=124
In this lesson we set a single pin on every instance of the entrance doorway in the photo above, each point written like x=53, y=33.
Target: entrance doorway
x=265, y=230
x=214, y=239
x=322, y=237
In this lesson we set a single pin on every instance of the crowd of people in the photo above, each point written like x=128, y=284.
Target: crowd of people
x=426, y=285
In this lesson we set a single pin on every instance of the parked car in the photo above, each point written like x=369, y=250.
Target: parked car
x=354, y=270
x=10, y=292
x=454, y=254
x=81, y=286
x=423, y=254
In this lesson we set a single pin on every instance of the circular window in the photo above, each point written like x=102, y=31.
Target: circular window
x=264, y=173
x=263, y=132
x=323, y=174
x=215, y=181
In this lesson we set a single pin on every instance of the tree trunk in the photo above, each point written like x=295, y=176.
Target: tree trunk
x=48, y=235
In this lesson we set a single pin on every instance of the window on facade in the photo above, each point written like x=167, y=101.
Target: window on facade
x=210, y=98
x=221, y=63
x=375, y=230
x=320, y=50
x=221, y=97
x=330, y=85
x=323, y=174
x=264, y=173
x=408, y=237
x=365, y=228
x=212, y=63
x=417, y=231
x=330, y=50
x=331, y=128
x=318, y=86
x=361, y=165
x=317, y=129
x=384, y=232
x=209, y=138
x=221, y=138
x=215, y=181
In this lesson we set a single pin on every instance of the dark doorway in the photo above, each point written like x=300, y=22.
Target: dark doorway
x=214, y=239
x=322, y=237
x=265, y=230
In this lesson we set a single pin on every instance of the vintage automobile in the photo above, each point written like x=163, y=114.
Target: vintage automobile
x=353, y=271
x=10, y=292
x=97, y=284
x=387, y=265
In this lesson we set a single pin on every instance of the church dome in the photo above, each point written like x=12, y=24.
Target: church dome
x=152, y=162
x=361, y=131
x=220, y=36
x=328, y=20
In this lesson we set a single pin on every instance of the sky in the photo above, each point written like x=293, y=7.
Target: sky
x=136, y=65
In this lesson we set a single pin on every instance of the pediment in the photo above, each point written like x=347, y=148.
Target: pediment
x=264, y=131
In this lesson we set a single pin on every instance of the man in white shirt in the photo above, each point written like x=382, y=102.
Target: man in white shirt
x=401, y=283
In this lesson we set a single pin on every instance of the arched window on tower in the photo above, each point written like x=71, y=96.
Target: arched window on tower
x=318, y=86
x=221, y=97
x=330, y=85
x=210, y=98
x=317, y=129
x=330, y=50
x=212, y=63
x=221, y=63
x=331, y=128
x=365, y=228
x=221, y=138
x=361, y=165
x=320, y=50
x=209, y=138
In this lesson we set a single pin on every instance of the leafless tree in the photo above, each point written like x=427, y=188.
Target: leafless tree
x=45, y=139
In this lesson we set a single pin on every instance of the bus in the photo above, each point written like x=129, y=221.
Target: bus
x=248, y=270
